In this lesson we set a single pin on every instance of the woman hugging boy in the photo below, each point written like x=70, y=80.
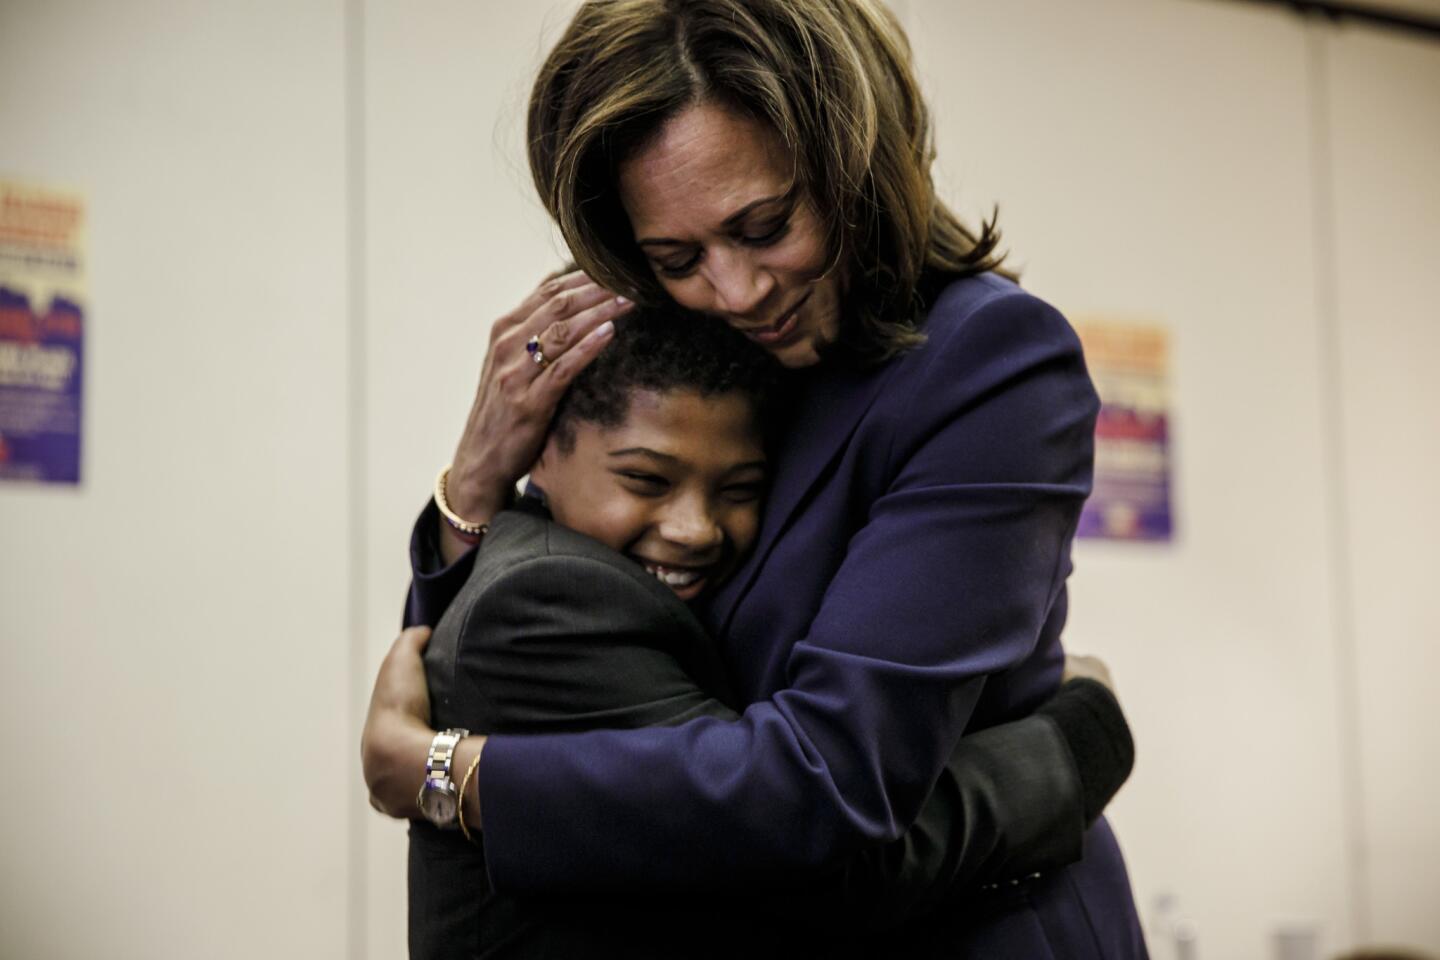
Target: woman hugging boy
x=578, y=615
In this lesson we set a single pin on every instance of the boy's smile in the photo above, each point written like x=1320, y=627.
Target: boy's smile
x=677, y=486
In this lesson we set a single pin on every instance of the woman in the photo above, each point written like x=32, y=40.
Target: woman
x=767, y=163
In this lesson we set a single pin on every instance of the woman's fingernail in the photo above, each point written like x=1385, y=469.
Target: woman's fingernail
x=603, y=331
x=623, y=301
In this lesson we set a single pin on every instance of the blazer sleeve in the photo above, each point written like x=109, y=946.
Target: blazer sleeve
x=1013, y=801
x=992, y=461
x=559, y=643
x=572, y=644
x=433, y=585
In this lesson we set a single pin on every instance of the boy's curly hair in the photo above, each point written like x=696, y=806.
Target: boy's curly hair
x=662, y=349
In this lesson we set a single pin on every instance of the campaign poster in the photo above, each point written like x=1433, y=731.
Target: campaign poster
x=42, y=332
x=1131, y=499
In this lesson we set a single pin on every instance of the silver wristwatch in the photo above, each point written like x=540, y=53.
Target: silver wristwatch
x=439, y=799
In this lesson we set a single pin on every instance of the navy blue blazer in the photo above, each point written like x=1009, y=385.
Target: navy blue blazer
x=554, y=632
x=908, y=586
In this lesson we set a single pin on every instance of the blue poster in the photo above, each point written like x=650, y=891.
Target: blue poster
x=1132, y=497
x=42, y=333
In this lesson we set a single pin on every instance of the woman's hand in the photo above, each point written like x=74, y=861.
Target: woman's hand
x=397, y=734
x=517, y=395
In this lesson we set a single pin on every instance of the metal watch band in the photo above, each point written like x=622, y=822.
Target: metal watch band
x=439, y=800
x=442, y=752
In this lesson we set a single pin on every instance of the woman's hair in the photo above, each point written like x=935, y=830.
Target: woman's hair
x=832, y=78
x=663, y=349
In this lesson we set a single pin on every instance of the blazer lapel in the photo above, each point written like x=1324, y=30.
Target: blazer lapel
x=827, y=406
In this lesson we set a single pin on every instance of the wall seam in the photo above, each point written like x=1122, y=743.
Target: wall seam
x=1331, y=406
x=357, y=488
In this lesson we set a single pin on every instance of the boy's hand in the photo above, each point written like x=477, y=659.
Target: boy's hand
x=1078, y=666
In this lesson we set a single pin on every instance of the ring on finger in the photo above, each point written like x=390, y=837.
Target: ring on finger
x=537, y=352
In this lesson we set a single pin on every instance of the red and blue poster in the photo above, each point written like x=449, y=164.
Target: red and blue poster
x=1131, y=499
x=42, y=332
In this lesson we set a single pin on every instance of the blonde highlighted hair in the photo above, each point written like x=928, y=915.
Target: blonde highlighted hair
x=832, y=78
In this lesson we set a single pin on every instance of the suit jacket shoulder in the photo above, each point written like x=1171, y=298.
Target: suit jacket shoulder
x=554, y=631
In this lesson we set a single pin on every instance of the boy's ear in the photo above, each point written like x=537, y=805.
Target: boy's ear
x=547, y=456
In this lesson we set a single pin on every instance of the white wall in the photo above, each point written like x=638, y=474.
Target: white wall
x=1165, y=160
x=1385, y=153
x=172, y=668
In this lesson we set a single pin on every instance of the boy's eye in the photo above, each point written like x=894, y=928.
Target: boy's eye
x=644, y=483
x=743, y=492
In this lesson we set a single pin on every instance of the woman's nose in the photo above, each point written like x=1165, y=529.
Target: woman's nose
x=740, y=285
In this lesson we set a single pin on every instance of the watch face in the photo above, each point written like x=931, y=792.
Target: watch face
x=438, y=806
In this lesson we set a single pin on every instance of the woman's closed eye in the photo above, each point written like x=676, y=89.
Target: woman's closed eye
x=677, y=267
x=769, y=233
x=764, y=235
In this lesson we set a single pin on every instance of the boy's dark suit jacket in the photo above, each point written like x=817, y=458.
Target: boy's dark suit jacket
x=555, y=632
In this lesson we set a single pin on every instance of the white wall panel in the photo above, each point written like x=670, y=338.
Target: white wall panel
x=1384, y=92
x=172, y=683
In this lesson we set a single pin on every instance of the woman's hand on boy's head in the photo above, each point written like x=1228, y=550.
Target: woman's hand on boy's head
x=570, y=318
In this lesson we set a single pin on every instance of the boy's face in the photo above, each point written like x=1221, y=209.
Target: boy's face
x=677, y=486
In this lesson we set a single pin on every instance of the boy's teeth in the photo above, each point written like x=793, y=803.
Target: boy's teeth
x=673, y=578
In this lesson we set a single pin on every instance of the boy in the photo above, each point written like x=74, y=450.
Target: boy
x=647, y=496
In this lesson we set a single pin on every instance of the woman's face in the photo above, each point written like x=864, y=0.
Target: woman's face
x=712, y=207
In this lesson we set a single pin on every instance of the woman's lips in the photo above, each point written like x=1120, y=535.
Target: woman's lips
x=782, y=330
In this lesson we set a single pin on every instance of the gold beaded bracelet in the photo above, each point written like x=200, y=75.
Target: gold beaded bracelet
x=465, y=785
x=469, y=532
